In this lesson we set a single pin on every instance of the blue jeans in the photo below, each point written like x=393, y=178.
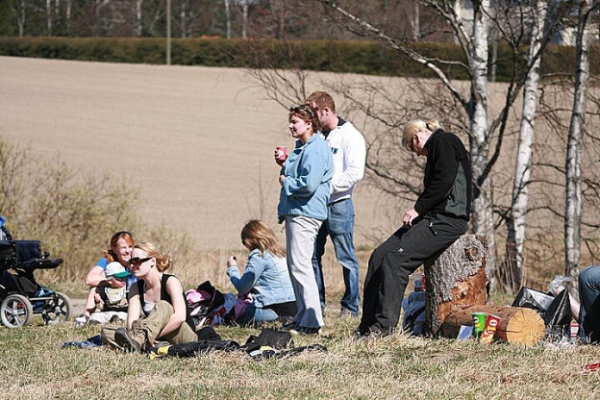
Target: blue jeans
x=339, y=226
x=589, y=296
x=255, y=315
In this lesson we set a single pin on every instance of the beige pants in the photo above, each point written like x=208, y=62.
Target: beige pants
x=153, y=324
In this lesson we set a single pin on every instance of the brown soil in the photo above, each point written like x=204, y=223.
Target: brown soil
x=197, y=141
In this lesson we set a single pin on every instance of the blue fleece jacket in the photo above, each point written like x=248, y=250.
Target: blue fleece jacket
x=308, y=171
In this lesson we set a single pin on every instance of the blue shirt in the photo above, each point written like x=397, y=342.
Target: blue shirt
x=266, y=277
x=308, y=171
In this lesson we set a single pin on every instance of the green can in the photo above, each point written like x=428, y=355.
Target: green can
x=478, y=323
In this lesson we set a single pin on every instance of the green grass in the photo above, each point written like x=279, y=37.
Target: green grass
x=34, y=366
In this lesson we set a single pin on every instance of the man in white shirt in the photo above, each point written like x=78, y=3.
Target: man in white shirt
x=349, y=154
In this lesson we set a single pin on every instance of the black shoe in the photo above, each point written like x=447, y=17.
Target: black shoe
x=126, y=342
x=288, y=327
x=372, y=332
x=303, y=330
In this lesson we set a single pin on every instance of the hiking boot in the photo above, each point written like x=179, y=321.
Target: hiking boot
x=303, y=330
x=374, y=332
x=131, y=341
x=288, y=327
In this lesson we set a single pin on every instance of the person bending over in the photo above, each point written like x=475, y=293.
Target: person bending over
x=439, y=217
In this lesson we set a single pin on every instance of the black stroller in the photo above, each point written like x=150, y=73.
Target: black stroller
x=20, y=295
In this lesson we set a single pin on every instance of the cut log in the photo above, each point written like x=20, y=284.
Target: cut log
x=517, y=325
x=456, y=277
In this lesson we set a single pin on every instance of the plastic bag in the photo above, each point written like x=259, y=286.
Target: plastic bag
x=531, y=298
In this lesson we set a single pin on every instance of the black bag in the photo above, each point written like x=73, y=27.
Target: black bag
x=531, y=298
x=558, y=317
x=270, y=338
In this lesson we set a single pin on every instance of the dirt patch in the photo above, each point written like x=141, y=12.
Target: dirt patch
x=197, y=141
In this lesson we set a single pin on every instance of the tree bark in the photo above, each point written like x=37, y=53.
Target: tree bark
x=520, y=194
x=573, y=160
x=517, y=325
x=457, y=277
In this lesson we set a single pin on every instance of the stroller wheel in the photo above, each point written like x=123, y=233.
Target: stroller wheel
x=15, y=311
x=58, y=309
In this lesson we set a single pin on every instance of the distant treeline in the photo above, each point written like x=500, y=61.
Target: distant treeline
x=361, y=57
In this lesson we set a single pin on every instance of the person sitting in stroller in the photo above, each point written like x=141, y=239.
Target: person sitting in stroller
x=121, y=244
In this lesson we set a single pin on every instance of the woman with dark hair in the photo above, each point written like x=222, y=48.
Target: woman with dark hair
x=305, y=179
x=265, y=277
x=119, y=250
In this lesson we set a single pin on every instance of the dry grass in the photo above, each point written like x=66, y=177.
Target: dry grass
x=34, y=366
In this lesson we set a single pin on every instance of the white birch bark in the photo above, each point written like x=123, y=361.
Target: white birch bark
x=483, y=223
x=49, y=17
x=245, y=6
x=573, y=198
x=522, y=175
x=228, y=18
x=22, y=17
x=139, y=27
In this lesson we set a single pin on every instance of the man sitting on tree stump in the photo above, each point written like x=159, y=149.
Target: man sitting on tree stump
x=439, y=217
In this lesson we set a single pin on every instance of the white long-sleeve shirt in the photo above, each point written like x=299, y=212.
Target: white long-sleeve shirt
x=349, y=154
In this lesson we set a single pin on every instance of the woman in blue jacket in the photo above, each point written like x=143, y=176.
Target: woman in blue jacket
x=305, y=178
x=265, y=277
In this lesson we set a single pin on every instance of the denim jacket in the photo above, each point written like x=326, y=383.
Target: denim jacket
x=266, y=277
x=308, y=171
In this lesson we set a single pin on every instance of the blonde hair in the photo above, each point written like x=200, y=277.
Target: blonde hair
x=257, y=235
x=163, y=261
x=413, y=126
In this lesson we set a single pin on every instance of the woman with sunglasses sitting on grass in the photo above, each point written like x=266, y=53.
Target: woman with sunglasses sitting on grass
x=157, y=296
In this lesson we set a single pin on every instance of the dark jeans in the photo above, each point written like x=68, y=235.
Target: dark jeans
x=393, y=261
x=589, y=296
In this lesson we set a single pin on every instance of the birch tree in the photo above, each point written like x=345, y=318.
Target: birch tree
x=139, y=21
x=573, y=198
x=520, y=193
x=228, y=18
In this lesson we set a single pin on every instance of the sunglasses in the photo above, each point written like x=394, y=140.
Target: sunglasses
x=303, y=107
x=138, y=261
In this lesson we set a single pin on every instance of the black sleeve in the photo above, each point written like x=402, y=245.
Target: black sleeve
x=441, y=170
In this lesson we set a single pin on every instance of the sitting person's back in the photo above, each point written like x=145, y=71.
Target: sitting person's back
x=266, y=277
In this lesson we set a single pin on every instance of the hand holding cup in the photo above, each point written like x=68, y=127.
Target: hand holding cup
x=280, y=154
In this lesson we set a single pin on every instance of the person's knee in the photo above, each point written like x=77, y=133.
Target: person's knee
x=590, y=278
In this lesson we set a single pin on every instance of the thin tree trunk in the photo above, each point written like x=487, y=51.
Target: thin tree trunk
x=139, y=24
x=182, y=17
x=573, y=162
x=49, y=17
x=228, y=18
x=415, y=23
x=68, y=16
x=483, y=224
x=245, y=7
x=520, y=193
x=21, y=17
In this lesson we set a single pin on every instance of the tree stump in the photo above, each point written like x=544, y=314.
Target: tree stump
x=457, y=277
x=517, y=325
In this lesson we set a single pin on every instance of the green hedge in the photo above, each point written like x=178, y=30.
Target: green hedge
x=360, y=57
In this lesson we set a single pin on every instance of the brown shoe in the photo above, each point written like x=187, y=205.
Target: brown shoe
x=131, y=341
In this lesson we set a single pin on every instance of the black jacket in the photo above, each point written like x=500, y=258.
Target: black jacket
x=447, y=181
